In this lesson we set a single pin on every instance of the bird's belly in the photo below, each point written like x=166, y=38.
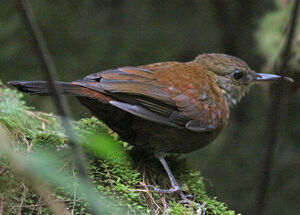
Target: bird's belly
x=164, y=139
x=147, y=135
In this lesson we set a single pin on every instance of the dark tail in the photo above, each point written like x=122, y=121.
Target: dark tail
x=43, y=88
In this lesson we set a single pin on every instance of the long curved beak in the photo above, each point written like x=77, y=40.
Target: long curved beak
x=271, y=77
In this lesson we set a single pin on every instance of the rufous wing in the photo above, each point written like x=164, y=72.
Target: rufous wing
x=137, y=91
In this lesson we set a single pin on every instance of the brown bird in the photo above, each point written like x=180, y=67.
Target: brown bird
x=168, y=107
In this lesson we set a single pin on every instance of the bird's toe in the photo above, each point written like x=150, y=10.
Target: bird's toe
x=158, y=190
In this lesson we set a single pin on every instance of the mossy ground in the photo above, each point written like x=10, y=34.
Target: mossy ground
x=36, y=131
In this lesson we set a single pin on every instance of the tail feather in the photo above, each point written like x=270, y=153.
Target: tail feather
x=43, y=88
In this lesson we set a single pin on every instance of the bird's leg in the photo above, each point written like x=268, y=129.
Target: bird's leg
x=175, y=186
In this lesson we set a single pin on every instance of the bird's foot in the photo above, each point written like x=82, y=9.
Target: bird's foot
x=200, y=210
x=158, y=190
x=186, y=199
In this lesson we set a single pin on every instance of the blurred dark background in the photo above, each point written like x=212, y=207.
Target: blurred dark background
x=88, y=36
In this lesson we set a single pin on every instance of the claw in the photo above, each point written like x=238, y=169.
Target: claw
x=189, y=196
x=175, y=188
x=202, y=209
x=185, y=198
x=158, y=190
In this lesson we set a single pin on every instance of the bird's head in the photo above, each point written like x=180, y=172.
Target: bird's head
x=233, y=76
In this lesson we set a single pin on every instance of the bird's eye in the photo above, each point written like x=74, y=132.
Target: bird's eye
x=237, y=74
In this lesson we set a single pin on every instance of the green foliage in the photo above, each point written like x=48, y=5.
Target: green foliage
x=106, y=147
x=90, y=125
x=120, y=180
x=179, y=209
x=49, y=158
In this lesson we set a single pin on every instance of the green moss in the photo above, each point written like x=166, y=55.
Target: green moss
x=20, y=119
x=90, y=125
x=179, y=209
x=122, y=181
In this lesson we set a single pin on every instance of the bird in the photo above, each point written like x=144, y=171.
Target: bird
x=165, y=107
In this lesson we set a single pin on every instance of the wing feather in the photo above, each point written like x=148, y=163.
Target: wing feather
x=137, y=91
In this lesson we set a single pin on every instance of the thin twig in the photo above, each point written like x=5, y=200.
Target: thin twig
x=277, y=92
x=108, y=175
x=147, y=191
x=2, y=171
x=18, y=164
x=1, y=206
x=75, y=190
x=25, y=190
x=55, y=206
x=47, y=65
x=39, y=206
x=63, y=166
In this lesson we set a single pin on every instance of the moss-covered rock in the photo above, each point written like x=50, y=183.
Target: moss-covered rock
x=121, y=181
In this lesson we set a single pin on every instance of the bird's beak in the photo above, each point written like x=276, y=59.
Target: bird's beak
x=271, y=77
